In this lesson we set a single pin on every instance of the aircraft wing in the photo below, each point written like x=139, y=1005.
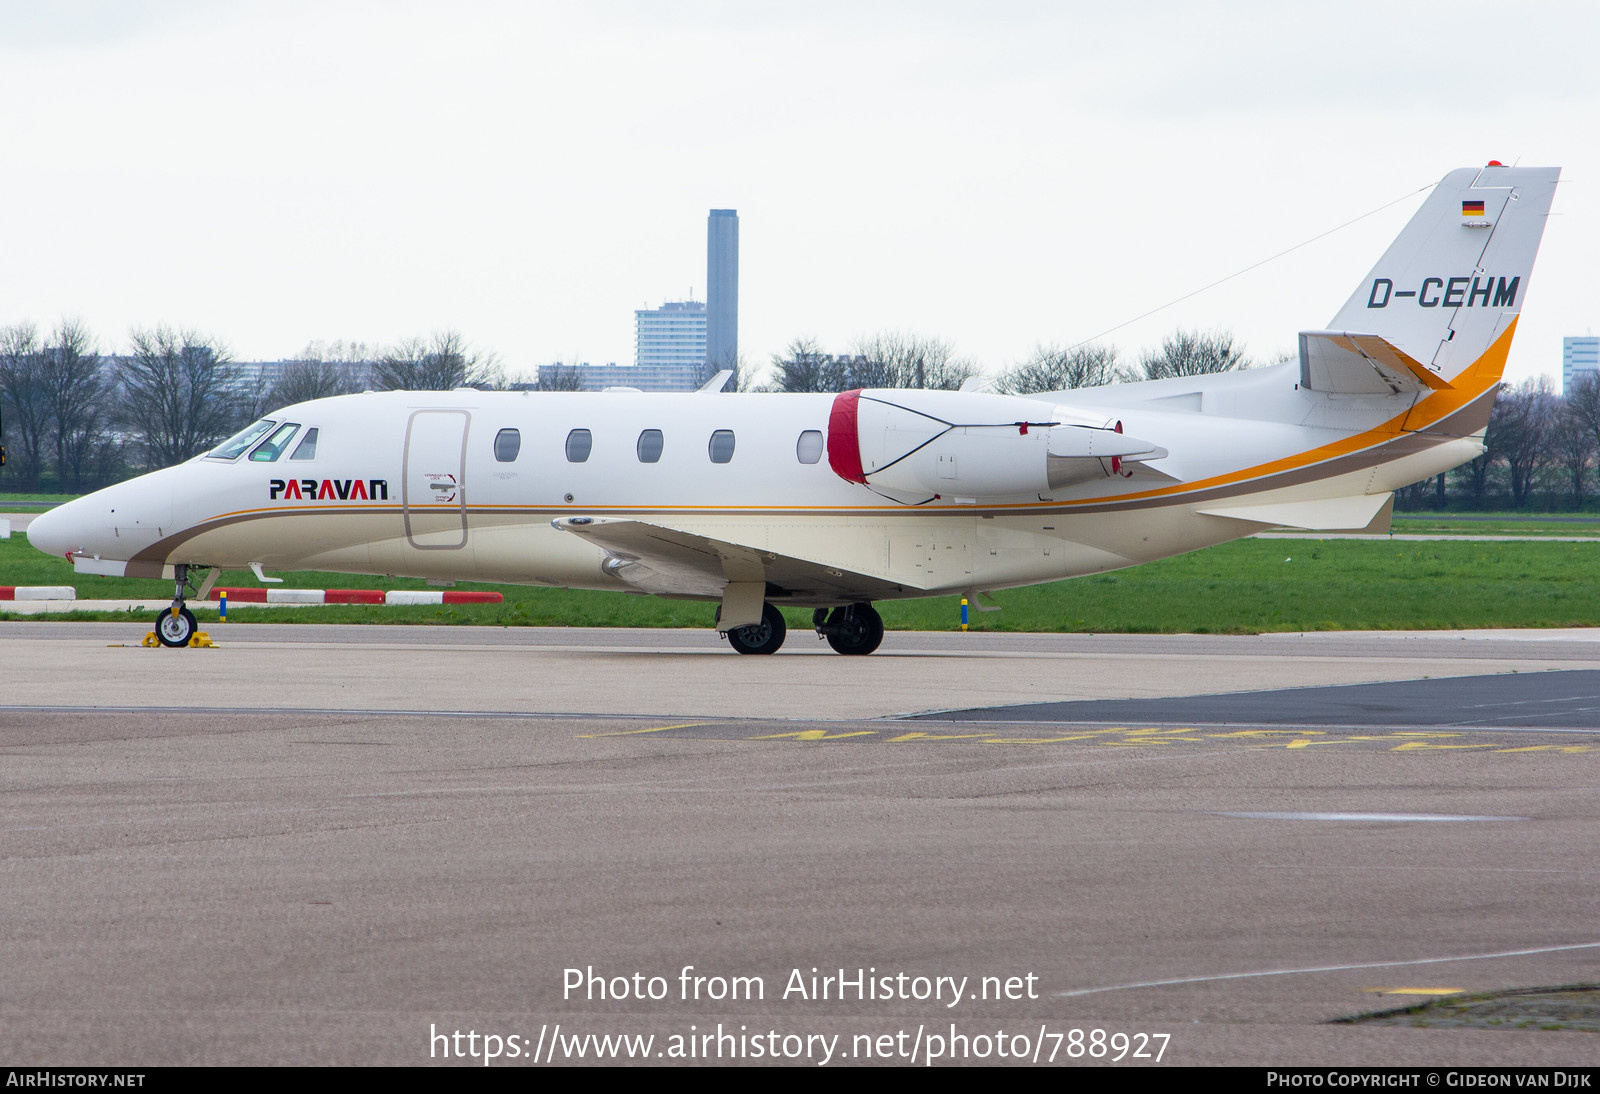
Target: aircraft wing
x=1346, y=363
x=655, y=558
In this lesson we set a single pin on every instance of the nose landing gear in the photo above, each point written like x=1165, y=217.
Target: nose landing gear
x=176, y=625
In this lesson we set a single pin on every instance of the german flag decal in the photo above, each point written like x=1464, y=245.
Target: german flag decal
x=1472, y=208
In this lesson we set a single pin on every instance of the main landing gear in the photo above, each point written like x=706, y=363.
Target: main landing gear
x=763, y=637
x=176, y=625
x=853, y=629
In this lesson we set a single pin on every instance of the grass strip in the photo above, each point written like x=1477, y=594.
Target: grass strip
x=1246, y=587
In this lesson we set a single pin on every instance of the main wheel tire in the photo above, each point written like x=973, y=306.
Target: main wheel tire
x=859, y=631
x=175, y=630
x=763, y=637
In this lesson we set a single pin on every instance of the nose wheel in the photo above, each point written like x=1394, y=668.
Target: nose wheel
x=176, y=625
x=175, y=629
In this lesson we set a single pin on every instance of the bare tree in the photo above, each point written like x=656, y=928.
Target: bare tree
x=559, y=377
x=78, y=395
x=440, y=363
x=1411, y=495
x=1476, y=475
x=894, y=359
x=1051, y=368
x=304, y=379
x=802, y=366
x=1573, y=447
x=26, y=399
x=1519, y=433
x=95, y=456
x=744, y=377
x=180, y=393
x=1582, y=405
x=1193, y=353
x=252, y=393
x=320, y=371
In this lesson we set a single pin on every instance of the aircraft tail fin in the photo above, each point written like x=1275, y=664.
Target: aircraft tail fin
x=1454, y=280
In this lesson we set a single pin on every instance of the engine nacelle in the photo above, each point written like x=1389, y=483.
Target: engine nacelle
x=963, y=444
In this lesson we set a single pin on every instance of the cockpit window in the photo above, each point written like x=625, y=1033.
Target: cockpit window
x=230, y=448
x=307, y=448
x=271, y=448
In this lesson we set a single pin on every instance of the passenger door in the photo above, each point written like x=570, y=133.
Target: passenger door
x=435, y=486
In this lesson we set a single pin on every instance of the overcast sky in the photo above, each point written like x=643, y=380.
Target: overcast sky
x=998, y=175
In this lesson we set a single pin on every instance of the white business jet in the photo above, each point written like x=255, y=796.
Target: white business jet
x=761, y=501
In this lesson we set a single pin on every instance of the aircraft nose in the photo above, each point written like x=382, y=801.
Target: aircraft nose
x=58, y=531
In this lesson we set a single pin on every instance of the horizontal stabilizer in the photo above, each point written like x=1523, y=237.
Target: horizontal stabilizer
x=1353, y=514
x=1345, y=363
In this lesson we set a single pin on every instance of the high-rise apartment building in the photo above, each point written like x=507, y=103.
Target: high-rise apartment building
x=1578, y=356
x=673, y=334
x=722, y=289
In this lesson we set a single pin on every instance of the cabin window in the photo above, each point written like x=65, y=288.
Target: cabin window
x=809, y=448
x=650, y=445
x=307, y=448
x=271, y=448
x=230, y=448
x=579, y=442
x=722, y=446
x=508, y=442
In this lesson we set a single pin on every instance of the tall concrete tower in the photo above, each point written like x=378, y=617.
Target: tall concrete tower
x=722, y=289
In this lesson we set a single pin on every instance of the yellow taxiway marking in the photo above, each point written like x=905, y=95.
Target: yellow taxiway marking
x=1413, y=746
x=1415, y=991
x=637, y=732
x=814, y=735
x=1126, y=737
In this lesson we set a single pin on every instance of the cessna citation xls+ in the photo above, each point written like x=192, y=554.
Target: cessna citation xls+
x=760, y=501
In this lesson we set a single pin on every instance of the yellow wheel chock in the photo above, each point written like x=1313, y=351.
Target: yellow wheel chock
x=200, y=640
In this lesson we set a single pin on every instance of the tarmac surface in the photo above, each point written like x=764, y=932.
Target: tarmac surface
x=318, y=844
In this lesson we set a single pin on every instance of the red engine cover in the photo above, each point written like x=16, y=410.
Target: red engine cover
x=844, y=445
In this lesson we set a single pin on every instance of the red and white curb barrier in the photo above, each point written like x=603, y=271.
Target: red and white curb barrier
x=356, y=596
x=286, y=596
x=440, y=596
x=38, y=592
